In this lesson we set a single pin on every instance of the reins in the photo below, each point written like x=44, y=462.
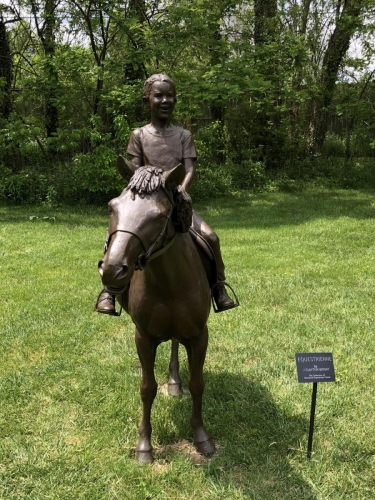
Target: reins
x=149, y=254
x=143, y=259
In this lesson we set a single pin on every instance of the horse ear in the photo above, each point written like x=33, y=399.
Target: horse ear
x=174, y=177
x=125, y=167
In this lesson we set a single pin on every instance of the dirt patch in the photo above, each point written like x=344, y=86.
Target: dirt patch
x=186, y=448
x=163, y=389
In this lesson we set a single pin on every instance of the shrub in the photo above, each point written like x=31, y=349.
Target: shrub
x=249, y=175
x=95, y=177
x=213, y=177
x=333, y=146
x=25, y=187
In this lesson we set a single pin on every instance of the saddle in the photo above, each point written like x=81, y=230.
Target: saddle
x=182, y=218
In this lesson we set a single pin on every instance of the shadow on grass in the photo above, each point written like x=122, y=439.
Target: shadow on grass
x=245, y=210
x=242, y=210
x=255, y=438
x=37, y=216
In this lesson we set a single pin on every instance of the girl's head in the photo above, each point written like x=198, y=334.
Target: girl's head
x=159, y=77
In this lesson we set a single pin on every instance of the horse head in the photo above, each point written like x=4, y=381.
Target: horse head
x=140, y=223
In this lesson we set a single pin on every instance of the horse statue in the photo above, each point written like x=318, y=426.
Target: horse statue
x=159, y=279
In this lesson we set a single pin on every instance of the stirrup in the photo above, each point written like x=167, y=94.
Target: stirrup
x=225, y=284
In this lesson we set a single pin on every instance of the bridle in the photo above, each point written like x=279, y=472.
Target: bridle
x=149, y=253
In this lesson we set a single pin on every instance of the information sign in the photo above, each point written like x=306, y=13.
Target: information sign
x=315, y=367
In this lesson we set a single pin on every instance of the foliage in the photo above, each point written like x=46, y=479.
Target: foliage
x=95, y=173
x=25, y=187
x=254, y=70
x=212, y=179
x=249, y=175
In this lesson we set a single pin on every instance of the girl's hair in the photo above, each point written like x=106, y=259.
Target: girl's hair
x=159, y=77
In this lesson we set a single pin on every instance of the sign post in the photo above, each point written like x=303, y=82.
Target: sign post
x=314, y=367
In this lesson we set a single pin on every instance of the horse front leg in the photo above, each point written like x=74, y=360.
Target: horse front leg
x=146, y=348
x=196, y=351
x=174, y=382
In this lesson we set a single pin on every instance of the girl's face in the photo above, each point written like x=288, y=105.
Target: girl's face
x=162, y=101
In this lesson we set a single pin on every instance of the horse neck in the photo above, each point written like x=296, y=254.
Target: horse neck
x=180, y=263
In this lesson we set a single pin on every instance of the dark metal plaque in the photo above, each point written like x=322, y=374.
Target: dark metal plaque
x=315, y=367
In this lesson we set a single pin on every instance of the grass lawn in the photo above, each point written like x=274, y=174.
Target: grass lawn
x=303, y=266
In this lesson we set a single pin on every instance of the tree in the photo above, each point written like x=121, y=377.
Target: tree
x=134, y=68
x=256, y=81
x=94, y=17
x=269, y=143
x=5, y=72
x=348, y=20
x=45, y=20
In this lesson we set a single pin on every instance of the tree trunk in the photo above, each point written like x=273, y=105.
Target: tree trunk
x=296, y=131
x=216, y=107
x=264, y=15
x=267, y=141
x=5, y=73
x=46, y=34
x=48, y=41
x=134, y=67
x=337, y=47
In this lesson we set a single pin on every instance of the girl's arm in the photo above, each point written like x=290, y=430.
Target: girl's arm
x=189, y=169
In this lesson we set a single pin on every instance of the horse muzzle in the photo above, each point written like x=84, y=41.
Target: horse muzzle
x=115, y=277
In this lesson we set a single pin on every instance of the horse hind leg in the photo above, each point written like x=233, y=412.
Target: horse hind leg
x=196, y=351
x=146, y=348
x=174, y=382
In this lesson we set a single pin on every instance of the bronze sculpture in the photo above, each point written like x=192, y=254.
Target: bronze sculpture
x=164, y=145
x=160, y=281
x=157, y=260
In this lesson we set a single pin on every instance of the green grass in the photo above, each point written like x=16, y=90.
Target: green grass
x=303, y=266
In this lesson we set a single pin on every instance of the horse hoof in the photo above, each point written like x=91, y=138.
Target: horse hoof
x=206, y=448
x=175, y=389
x=144, y=457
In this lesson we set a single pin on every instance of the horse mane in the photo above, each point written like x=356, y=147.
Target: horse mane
x=146, y=180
